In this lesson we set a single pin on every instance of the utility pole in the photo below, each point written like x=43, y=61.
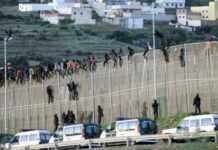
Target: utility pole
x=154, y=51
x=5, y=71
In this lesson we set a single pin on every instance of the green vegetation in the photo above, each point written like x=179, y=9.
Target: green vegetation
x=197, y=2
x=171, y=121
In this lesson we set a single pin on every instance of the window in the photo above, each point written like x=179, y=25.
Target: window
x=180, y=4
x=74, y=13
x=167, y=4
x=42, y=137
x=183, y=123
x=216, y=121
x=70, y=131
x=194, y=123
x=23, y=138
x=81, y=13
x=206, y=122
x=33, y=137
x=123, y=126
x=15, y=139
x=132, y=125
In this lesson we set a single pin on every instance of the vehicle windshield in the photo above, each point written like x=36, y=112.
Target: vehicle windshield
x=216, y=121
x=5, y=138
x=127, y=126
x=183, y=124
x=15, y=139
x=73, y=130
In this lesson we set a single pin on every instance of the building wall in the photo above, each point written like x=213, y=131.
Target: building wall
x=194, y=23
x=52, y=18
x=82, y=16
x=203, y=10
x=120, y=91
x=133, y=23
x=181, y=15
x=34, y=7
x=172, y=3
x=213, y=10
x=207, y=12
x=98, y=6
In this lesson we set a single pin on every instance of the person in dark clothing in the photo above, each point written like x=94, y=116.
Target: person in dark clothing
x=56, y=122
x=73, y=118
x=63, y=118
x=106, y=59
x=120, y=61
x=100, y=114
x=131, y=53
x=70, y=117
x=182, y=57
x=155, y=106
x=164, y=50
x=115, y=62
x=146, y=51
x=197, y=104
x=75, y=91
x=70, y=89
x=114, y=53
x=50, y=93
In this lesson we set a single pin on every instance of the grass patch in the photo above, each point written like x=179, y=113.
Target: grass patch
x=171, y=121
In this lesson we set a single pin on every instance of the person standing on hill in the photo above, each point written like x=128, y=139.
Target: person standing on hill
x=100, y=114
x=50, y=92
x=155, y=106
x=56, y=122
x=197, y=104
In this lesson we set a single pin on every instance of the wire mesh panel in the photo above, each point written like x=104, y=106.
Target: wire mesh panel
x=126, y=91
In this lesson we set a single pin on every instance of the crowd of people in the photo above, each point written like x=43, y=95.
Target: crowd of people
x=70, y=118
x=42, y=72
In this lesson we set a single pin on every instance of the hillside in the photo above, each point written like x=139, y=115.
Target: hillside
x=34, y=39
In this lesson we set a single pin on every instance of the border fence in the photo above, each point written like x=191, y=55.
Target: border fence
x=122, y=91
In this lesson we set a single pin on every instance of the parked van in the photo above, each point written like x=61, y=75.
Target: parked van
x=80, y=131
x=135, y=127
x=27, y=138
x=197, y=123
x=130, y=127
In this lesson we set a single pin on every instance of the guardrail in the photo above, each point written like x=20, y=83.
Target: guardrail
x=126, y=140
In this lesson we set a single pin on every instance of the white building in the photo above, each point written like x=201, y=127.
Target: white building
x=82, y=15
x=26, y=7
x=181, y=15
x=51, y=16
x=59, y=9
x=132, y=21
x=186, y=17
x=171, y=3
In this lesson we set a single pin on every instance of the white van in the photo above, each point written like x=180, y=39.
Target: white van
x=27, y=138
x=135, y=127
x=193, y=124
x=80, y=131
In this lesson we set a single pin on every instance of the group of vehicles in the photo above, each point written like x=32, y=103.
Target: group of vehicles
x=120, y=128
